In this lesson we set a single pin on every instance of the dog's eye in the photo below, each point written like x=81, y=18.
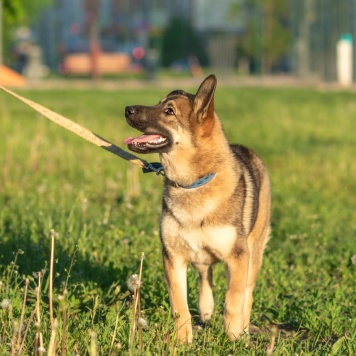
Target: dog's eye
x=169, y=111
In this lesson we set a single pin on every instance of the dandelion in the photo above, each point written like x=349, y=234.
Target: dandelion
x=141, y=321
x=133, y=282
x=53, y=233
x=353, y=259
x=6, y=304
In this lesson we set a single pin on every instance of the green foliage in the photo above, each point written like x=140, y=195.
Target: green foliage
x=22, y=12
x=106, y=213
x=180, y=41
x=268, y=31
x=12, y=10
x=19, y=13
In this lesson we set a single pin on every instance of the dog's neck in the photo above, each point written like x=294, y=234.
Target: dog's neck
x=197, y=184
x=186, y=173
x=188, y=166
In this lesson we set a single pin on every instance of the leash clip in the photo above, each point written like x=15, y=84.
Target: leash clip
x=153, y=167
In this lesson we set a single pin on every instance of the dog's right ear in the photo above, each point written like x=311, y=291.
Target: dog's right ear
x=204, y=99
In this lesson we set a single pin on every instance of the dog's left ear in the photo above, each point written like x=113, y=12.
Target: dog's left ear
x=204, y=99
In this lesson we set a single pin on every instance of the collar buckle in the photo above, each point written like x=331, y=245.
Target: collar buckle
x=153, y=167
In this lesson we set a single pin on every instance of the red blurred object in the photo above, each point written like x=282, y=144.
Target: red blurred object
x=138, y=53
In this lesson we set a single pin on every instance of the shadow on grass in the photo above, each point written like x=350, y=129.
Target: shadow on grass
x=70, y=265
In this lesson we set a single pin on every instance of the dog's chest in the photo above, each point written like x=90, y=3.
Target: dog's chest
x=194, y=226
x=199, y=245
x=217, y=242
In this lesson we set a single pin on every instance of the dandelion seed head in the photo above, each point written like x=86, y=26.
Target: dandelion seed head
x=37, y=275
x=6, y=304
x=353, y=259
x=133, y=282
x=142, y=322
x=53, y=233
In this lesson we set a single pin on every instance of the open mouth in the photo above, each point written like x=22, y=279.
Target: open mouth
x=147, y=142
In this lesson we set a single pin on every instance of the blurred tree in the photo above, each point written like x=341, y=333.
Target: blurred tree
x=18, y=13
x=22, y=12
x=268, y=32
x=91, y=8
x=180, y=43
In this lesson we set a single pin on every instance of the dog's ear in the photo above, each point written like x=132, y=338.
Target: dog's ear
x=204, y=99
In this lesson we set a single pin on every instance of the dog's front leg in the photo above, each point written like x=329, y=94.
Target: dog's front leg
x=176, y=276
x=237, y=271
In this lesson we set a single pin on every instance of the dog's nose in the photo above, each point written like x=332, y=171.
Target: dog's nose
x=130, y=110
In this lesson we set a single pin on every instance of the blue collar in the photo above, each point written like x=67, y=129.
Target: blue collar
x=157, y=167
x=200, y=182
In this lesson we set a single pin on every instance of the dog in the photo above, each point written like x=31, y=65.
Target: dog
x=216, y=204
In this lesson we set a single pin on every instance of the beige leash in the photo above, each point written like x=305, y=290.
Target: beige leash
x=86, y=134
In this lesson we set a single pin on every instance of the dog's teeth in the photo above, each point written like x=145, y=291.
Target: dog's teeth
x=158, y=140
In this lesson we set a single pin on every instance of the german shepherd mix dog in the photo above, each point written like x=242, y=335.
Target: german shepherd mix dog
x=216, y=204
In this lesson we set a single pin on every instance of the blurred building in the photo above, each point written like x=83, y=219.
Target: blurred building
x=126, y=24
x=317, y=27
x=221, y=28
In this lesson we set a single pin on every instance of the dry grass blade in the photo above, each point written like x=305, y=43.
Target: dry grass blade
x=52, y=342
x=39, y=337
x=53, y=234
x=93, y=343
x=270, y=347
x=18, y=342
x=136, y=303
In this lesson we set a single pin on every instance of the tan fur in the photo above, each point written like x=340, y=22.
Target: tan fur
x=225, y=220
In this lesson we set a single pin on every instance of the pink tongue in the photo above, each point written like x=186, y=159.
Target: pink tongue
x=143, y=138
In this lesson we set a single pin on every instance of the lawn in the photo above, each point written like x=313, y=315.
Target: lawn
x=105, y=213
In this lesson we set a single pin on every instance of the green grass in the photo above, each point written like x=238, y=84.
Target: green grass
x=107, y=213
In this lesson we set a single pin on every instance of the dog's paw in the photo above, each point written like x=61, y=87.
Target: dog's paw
x=205, y=318
x=185, y=334
x=234, y=327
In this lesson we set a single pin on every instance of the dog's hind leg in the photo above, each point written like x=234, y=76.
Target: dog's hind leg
x=256, y=244
x=206, y=299
x=237, y=272
x=256, y=252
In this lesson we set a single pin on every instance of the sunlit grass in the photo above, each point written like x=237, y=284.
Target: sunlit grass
x=106, y=213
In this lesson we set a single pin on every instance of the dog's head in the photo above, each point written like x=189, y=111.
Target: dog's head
x=162, y=125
